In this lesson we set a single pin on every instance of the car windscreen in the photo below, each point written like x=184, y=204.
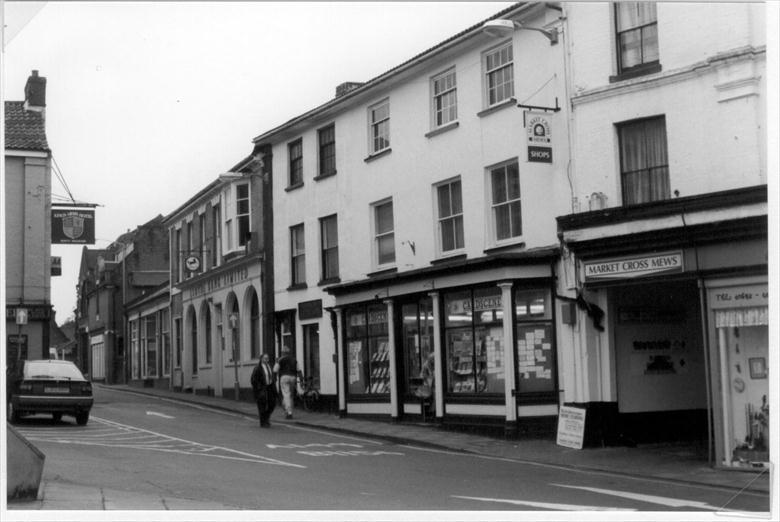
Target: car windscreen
x=48, y=370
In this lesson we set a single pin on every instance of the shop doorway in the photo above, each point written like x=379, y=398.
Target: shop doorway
x=416, y=376
x=660, y=363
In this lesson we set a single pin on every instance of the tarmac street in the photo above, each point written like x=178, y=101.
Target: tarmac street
x=147, y=452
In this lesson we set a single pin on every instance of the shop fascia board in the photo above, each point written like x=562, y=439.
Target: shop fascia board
x=681, y=220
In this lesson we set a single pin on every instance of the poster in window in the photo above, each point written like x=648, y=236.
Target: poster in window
x=535, y=361
x=355, y=361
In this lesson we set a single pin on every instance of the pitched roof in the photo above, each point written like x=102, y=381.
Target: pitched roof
x=24, y=130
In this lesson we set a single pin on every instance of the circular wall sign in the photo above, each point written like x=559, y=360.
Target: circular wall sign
x=192, y=263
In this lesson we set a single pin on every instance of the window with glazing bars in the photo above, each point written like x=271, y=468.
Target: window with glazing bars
x=507, y=218
x=644, y=165
x=384, y=233
x=327, y=141
x=637, y=34
x=499, y=72
x=450, y=215
x=445, y=99
x=330, y=247
x=379, y=127
x=295, y=152
x=297, y=255
x=242, y=213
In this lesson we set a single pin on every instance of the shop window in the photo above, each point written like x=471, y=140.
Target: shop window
x=417, y=334
x=368, y=365
x=194, y=342
x=179, y=342
x=218, y=324
x=535, y=343
x=311, y=353
x=499, y=74
x=165, y=342
x=636, y=38
x=150, y=345
x=135, y=350
x=644, y=165
x=474, y=341
x=235, y=332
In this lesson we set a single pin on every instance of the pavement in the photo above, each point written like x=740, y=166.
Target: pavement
x=674, y=463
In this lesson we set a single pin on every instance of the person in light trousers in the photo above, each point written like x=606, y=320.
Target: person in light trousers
x=288, y=372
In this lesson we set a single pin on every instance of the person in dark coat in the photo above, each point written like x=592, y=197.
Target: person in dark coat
x=264, y=389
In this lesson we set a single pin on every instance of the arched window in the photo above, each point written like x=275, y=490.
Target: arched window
x=194, y=342
x=207, y=326
x=255, y=325
x=236, y=329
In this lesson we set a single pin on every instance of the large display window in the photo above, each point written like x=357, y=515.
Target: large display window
x=474, y=340
x=368, y=363
x=534, y=332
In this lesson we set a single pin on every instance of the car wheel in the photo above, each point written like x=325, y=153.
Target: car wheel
x=82, y=418
x=56, y=416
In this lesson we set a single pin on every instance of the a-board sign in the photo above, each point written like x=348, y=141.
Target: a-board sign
x=571, y=427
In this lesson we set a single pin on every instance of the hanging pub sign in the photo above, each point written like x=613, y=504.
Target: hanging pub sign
x=539, y=137
x=72, y=226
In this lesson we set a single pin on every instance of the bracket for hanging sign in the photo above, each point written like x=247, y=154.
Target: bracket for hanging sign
x=538, y=108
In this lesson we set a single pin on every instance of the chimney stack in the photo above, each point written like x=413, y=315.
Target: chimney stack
x=35, y=93
x=346, y=87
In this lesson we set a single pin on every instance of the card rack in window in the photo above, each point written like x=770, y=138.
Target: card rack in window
x=380, y=370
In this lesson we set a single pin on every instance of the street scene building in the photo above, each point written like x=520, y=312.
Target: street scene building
x=27, y=208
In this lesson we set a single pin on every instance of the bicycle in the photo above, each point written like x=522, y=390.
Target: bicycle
x=310, y=397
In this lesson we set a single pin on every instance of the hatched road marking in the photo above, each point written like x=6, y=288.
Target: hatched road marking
x=652, y=499
x=102, y=432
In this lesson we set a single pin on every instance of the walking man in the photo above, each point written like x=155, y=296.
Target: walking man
x=264, y=389
x=288, y=371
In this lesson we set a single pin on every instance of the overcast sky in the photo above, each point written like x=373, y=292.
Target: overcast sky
x=148, y=102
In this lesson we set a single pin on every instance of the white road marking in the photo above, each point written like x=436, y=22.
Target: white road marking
x=158, y=414
x=312, y=445
x=543, y=505
x=351, y=453
x=652, y=499
x=131, y=437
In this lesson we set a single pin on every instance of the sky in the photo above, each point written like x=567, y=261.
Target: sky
x=148, y=102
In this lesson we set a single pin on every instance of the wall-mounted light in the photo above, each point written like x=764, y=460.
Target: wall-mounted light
x=499, y=28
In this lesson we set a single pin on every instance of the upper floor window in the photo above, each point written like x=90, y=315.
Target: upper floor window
x=384, y=234
x=450, y=204
x=644, y=165
x=297, y=256
x=329, y=238
x=499, y=74
x=190, y=245
x=295, y=152
x=327, y=142
x=637, y=35
x=203, y=244
x=379, y=127
x=505, y=187
x=177, y=255
x=445, y=98
x=242, y=213
x=216, y=235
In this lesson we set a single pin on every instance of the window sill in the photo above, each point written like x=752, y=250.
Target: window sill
x=329, y=281
x=377, y=155
x=297, y=286
x=382, y=272
x=635, y=72
x=290, y=188
x=504, y=248
x=511, y=102
x=324, y=176
x=208, y=367
x=442, y=129
x=449, y=259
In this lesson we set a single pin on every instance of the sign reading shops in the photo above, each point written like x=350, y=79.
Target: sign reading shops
x=633, y=267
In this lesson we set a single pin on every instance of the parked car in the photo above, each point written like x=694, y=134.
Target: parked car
x=48, y=386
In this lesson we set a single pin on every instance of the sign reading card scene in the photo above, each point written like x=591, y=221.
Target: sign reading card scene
x=628, y=268
x=571, y=427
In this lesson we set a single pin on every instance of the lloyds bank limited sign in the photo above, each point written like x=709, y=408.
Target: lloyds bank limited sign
x=633, y=267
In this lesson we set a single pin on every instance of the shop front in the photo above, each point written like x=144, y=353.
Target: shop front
x=470, y=346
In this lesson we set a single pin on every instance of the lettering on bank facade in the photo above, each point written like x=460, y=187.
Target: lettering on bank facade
x=628, y=268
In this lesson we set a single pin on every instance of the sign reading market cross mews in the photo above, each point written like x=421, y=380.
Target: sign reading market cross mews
x=539, y=138
x=72, y=226
x=631, y=267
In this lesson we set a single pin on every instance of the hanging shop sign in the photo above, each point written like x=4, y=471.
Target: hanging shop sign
x=30, y=313
x=571, y=427
x=16, y=347
x=633, y=267
x=56, y=266
x=72, y=226
x=539, y=138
